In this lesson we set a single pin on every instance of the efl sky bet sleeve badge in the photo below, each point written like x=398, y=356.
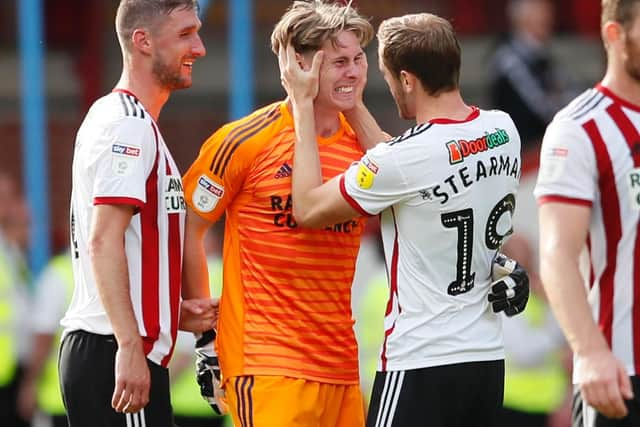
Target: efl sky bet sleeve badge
x=207, y=194
x=553, y=164
x=367, y=171
x=124, y=158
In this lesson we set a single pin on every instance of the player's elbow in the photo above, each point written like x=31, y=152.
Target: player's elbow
x=306, y=217
x=97, y=245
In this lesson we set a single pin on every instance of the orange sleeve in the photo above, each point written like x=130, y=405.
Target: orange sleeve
x=217, y=175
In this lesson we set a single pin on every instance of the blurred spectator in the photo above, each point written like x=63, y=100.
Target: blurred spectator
x=14, y=298
x=40, y=387
x=18, y=234
x=525, y=81
x=536, y=362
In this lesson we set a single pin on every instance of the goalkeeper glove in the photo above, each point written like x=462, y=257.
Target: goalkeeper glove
x=510, y=286
x=208, y=372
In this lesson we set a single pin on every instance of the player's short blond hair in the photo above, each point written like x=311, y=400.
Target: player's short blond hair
x=135, y=14
x=309, y=24
x=424, y=45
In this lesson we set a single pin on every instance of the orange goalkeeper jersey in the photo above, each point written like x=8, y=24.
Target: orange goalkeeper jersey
x=285, y=307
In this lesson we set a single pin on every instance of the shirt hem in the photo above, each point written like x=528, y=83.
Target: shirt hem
x=442, y=361
x=554, y=198
x=118, y=201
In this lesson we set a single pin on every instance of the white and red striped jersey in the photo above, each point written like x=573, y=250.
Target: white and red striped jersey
x=591, y=156
x=121, y=158
x=445, y=192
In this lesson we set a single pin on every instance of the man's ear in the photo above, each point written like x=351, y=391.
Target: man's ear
x=611, y=32
x=141, y=40
x=407, y=81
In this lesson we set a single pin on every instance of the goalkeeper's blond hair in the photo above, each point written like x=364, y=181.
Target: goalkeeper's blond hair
x=307, y=25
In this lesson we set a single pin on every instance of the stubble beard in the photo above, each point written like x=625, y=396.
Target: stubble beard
x=167, y=77
x=632, y=63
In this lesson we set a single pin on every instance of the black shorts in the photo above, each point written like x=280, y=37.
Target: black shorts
x=585, y=416
x=87, y=379
x=459, y=395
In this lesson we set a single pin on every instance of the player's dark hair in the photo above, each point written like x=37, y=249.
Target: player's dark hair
x=620, y=11
x=134, y=14
x=424, y=45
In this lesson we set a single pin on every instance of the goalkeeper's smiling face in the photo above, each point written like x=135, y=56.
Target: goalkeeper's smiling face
x=342, y=74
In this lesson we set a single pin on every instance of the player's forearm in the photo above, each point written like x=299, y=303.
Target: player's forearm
x=195, y=271
x=365, y=125
x=307, y=173
x=110, y=270
x=567, y=296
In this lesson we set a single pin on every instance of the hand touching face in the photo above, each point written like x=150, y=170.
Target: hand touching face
x=301, y=82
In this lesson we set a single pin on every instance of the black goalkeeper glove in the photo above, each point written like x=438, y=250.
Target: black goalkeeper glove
x=510, y=286
x=208, y=372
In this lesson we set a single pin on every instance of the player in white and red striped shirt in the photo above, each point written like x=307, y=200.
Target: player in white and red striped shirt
x=589, y=194
x=127, y=224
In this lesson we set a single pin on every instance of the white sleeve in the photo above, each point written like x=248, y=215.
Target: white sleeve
x=567, y=163
x=123, y=164
x=375, y=182
x=49, y=303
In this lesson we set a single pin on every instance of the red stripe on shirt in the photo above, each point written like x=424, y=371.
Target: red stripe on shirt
x=606, y=91
x=474, y=114
x=118, y=201
x=632, y=137
x=562, y=199
x=393, y=290
x=151, y=257
x=612, y=226
x=354, y=204
x=125, y=91
x=175, y=272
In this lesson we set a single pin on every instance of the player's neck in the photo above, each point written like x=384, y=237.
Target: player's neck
x=327, y=122
x=618, y=81
x=448, y=105
x=149, y=93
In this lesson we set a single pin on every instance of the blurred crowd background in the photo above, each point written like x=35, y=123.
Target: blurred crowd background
x=527, y=57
